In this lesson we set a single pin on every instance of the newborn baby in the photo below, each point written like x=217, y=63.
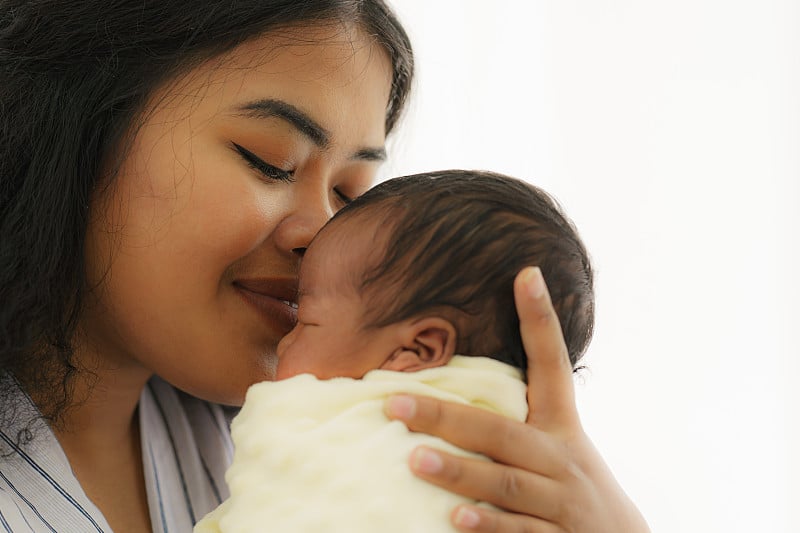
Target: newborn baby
x=407, y=276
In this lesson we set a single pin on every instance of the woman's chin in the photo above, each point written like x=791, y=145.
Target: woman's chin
x=271, y=365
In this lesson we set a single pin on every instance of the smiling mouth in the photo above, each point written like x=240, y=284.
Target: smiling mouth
x=274, y=300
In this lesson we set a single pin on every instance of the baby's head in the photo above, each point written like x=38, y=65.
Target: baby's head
x=422, y=267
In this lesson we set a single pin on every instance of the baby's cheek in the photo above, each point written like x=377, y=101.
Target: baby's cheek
x=287, y=341
x=281, y=370
x=289, y=359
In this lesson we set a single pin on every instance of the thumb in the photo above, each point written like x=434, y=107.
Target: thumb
x=551, y=392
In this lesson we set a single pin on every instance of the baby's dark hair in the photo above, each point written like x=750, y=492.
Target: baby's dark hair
x=453, y=243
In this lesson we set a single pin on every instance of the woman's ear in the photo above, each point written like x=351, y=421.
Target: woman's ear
x=424, y=343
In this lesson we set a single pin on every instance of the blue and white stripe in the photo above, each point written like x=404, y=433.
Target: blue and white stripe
x=186, y=448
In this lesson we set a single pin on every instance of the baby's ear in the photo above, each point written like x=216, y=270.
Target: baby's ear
x=425, y=343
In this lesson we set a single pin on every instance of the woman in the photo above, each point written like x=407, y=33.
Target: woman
x=163, y=167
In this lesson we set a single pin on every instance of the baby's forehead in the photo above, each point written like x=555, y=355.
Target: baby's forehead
x=340, y=254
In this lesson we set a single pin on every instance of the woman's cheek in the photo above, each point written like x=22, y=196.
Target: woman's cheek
x=237, y=221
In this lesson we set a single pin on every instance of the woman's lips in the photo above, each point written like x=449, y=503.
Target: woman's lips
x=275, y=299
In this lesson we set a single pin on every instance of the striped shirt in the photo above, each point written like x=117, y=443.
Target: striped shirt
x=186, y=448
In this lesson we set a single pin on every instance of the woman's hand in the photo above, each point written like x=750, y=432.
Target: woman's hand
x=547, y=475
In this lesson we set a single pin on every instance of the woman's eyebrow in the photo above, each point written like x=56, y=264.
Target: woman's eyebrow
x=269, y=107
x=300, y=120
x=370, y=154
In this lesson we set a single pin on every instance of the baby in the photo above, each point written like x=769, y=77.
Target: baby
x=407, y=289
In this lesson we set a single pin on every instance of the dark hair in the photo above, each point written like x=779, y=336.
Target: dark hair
x=453, y=243
x=74, y=79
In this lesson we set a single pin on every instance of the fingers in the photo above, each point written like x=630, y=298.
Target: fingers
x=547, y=483
x=504, y=486
x=502, y=439
x=551, y=394
x=473, y=519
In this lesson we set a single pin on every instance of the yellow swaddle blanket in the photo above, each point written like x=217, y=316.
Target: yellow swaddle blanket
x=319, y=455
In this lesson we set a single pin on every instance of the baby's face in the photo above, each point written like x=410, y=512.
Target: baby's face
x=328, y=340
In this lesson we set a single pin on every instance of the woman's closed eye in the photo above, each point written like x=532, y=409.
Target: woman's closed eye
x=274, y=173
x=269, y=171
x=342, y=197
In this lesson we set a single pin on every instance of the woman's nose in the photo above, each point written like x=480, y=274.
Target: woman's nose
x=295, y=232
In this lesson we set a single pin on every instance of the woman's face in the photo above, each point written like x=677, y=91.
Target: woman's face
x=193, y=252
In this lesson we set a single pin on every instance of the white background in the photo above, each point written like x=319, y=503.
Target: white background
x=670, y=133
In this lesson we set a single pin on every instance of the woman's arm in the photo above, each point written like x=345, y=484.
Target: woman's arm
x=547, y=474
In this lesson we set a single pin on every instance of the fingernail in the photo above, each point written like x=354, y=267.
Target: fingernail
x=535, y=282
x=426, y=462
x=402, y=407
x=466, y=517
